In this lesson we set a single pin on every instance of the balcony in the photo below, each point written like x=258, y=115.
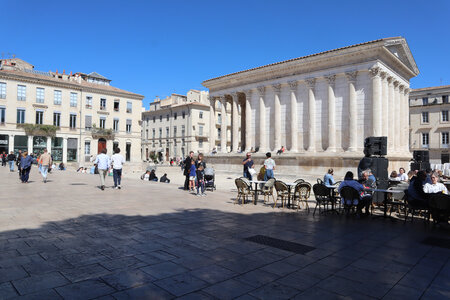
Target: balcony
x=89, y=106
x=102, y=107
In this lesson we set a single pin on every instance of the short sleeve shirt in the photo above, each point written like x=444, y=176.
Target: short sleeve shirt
x=269, y=164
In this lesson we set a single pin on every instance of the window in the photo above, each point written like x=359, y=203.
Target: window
x=445, y=138
x=174, y=131
x=73, y=99
x=219, y=118
x=160, y=118
x=73, y=121
x=167, y=131
x=425, y=140
x=183, y=142
x=154, y=119
x=87, y=122
x=40, y=95
x=39, y=116
x=116, y=125
x=425, y=100
x=20, y=115
x=88, y=102
x=184, y=115
x=200, y=143
x=444, y=98
x=2, y=115
x=116, y=105
x=57, y=119
x=87, y=147
x=153, y=133
x=200, y=130
x=424, y=117
x=167, y=117
x=129, y=107
x=57, y=96
x=175, y=116
x=219, y=105
x=21, y=92
x=219, y=133
x=444, y=115
x=2, y=90
x=146, y=134
x=102, y=122
x=160, y=132
x=128, y=127
x=102, y=103
x=200, y=115
x=183, y=131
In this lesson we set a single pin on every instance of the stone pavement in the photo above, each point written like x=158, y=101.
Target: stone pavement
x=68, y=239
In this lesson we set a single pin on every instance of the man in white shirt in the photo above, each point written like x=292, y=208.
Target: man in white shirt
x=402, y=175
x=435, y=186
x=103, y=162
x=269, y=164
x=117, y=161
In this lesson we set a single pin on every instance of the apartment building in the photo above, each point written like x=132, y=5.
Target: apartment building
x=72, y=115
x=429, y=122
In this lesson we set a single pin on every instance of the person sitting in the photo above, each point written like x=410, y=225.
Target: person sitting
x=435, y=186
x=152, y=176
x=80, y=170
x=164, y=178
x=328, y=179
x=146, y=175
x=350, y=182
x=61, y=167
x=394, y=176
x=281, y=150
x=416, y=194
x=369, y=182
x=402, y=175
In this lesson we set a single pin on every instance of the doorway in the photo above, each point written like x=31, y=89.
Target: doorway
x=101, y=145
x=128, y=152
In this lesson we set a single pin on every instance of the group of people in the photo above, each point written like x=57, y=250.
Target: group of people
x=265, y=172
x=150, y=175
x=24, y=162
x=103, y=163
x=194, y=171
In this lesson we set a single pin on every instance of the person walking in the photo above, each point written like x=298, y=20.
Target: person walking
x=11, y=159
x=45, y=163
x=269, y=164
x=25, y=166
x=187, y=167
x=103, y=162
x=4, y=159
x=248, y=164
x=117, y=162
x=18, y=158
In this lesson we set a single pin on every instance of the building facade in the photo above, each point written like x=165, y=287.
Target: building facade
x=429, y=122
x=174, y=126
x=74, y=116
x=321, y=106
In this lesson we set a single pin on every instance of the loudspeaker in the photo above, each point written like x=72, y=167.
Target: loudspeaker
x=375, y=145
x=420, y=166
x=421, y=156
x=378, y=166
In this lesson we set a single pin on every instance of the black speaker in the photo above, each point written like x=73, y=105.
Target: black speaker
x=375, y=145
x=420, y=166
x=421, y=156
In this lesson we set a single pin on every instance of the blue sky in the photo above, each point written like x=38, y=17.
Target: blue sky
x=156, y=48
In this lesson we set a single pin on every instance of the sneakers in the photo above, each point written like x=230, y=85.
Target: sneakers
x=199, y=195
x=116, y=188
x=203, y=194
x=119, y=187
x=103, y=187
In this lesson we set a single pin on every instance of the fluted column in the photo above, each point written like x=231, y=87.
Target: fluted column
x=331, y=114
x=49, y=145
x=352, y=111
x=396, y=118
x=376, y=101
x=223, y=125
x=11, y=143
x=235, y=124
x=294, y=120
x=384, y=104
x=30, y=144
x=310, y=83
x=212, y=123
x=390, y=94
x=64, y=154
x=248, y=120
x=262, y=120
x=400, y=118
x=277, y=117
x=406, y=119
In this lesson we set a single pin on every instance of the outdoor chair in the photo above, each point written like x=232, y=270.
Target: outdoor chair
x=298, y=180
x=397, y=200
x=244, y=190
x=267, y=189
x=413, y=206
x=282, y=192
x=322, y=195
x=440, y=208
x=302, y=191
x=350, y=199
x=319, y=181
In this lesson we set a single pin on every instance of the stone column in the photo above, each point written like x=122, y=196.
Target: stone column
x=262, y=121
x=331, y=114
x=396, y=118
x=406, y=119
x=49, y=144
x=352, y=111
x=294, y=120
x=400, y=119
x=212, y=123
x=64, y=158
x=235, y=124
x=390, y=96
x=248, y=120
x=310, y=83
x=384, y=105
x=223, y=125
x=376, y=101
x=30, y=144
x=277, y=117
x=11, y=143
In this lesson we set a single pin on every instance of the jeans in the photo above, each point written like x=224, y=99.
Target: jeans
x=11, y=165
x=44, y=171
x=117, y=175
x=102, y=175
x=25, y=174
x=200, y=185
x=247, y=175
x=268, y=175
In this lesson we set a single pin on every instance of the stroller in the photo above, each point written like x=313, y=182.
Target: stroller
x=210, y=179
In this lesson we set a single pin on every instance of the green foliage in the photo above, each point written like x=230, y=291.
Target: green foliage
x=102, y=133
x=39, y=129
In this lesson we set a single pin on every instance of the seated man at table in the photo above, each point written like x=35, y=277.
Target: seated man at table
x=416, y=194
x=328, y=179
x=434, y=186
x=369, y=182
x=349, y=181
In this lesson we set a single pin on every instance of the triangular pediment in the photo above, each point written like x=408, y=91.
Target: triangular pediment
x=400, y=49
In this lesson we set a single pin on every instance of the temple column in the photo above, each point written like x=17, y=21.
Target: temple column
x=294, y=120
x=396, y=118
x=331, y=114
x=223, y=125
x=384, y=105
x=49, y=144
x=310, y=83
x=400, y=119
x=64, y=156
x=406, y=119
x=212, y=123
x=30, y=144
x=235, y=124
x=390, y=94
x=376, y=101
x=352, y=111
x=262, y=121
x=10, y=143
x=277, y=117
x=248, y=120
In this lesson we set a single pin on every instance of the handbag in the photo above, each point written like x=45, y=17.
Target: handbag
x=251, y=171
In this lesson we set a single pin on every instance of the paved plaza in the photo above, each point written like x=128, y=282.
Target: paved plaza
x=68, y=239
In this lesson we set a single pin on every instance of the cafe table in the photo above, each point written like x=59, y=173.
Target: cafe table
x=290, y=185
x=256, y=182
x=385, y=201
x=331, y=188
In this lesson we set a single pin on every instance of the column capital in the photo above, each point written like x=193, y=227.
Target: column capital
x=330, y=79
x=383, y=75
x=234, y=95
x=212, y=98
x=389, y=79
x=396, y=83
x=310, y=82
x=293, y=85
x=401, y=87
x=261, y=90
x=351, y=76
x=374, y=71
x=276, y=87
x=406, y=91
x=248, y=93
x=222, y=98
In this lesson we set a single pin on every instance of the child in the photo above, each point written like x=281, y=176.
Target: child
x=200, y=181
x=192, y=174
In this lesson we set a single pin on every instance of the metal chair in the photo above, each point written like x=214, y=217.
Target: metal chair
x=302, y=191
x=298, y=180
x=244, y=190
x=267, y=189
x=350, y=198
x=282, y=192
x=413, y=206
x=322, y=195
